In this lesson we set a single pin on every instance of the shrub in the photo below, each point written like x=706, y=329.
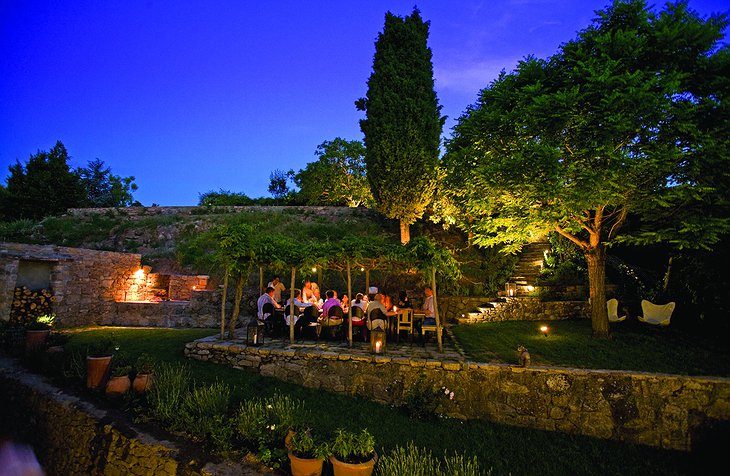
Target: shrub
x=202, y=405
x=168, y=393
x=305, y=445
x=423, y=399
x=415, y=461
x=145, y=364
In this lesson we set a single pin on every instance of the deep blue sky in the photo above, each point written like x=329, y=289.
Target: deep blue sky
x=193, y=96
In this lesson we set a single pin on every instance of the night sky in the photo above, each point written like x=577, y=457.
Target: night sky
x=193, y=96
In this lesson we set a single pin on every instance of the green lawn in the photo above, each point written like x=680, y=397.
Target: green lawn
x=503, y=448
x=633, y=346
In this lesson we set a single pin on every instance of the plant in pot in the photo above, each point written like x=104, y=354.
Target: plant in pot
x=119, y=382
x=98, y=363
x=353, y=453
x=145, y=366
x=37, y=331
x=306, y=453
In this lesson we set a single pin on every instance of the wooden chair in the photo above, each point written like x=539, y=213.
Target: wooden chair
x=612, y=305
x=427, y=328
x=404, y=323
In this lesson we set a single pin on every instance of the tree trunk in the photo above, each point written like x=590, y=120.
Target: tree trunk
x=405, y=232
x=237, y=304
x=436, y=309
x=665, y=284
x=596, y=260
x=319, y=281
x=367, y=282
x=349, y=308
x=224, y=298
x=291, y=314
x=261, y=279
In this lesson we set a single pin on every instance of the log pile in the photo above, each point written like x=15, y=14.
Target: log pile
x=28, y=305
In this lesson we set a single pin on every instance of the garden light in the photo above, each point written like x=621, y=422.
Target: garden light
x=544, y=330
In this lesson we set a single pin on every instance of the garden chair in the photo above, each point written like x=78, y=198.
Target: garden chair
x=404, y=323
x=612, y=305
x=427, y=328
x=656, y=314
x=333, y=320
x=358, y=322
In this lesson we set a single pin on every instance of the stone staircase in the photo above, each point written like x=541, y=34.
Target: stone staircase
x=529, y=267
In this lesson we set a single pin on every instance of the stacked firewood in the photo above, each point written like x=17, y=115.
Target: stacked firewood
x=28, y=305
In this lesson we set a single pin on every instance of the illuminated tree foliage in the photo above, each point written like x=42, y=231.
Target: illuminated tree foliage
x=337, y=177
x=615, y=123
x=403, y=124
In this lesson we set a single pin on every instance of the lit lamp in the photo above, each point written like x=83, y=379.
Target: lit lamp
x=377, y=341
x=544, y=330
x=510, y=289
x=254, y=333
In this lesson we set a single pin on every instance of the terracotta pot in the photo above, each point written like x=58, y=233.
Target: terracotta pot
x=97, y=371
x=305, y=466
x=118, y=386
x=346, y=469
x=142, y=383
x=35, y=340
x=287, y=439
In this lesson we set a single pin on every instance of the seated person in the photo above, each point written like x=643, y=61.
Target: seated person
x=267, y=297
x=378, y=319
x=298, y=304
x=308, y=292
x=345, y=303
x=317, y=300
x=360, y=302
x=427, y=310
x=403, y=301
x=331, y=301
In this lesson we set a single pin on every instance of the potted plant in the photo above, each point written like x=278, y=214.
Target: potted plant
x=144, y=366
x=353, y=453
x=119, y=382
x=98, y=363
x=306, y=454
x=37, y=331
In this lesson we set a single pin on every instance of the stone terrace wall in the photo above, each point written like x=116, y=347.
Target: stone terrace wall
x=203, y=310
x=133, y=212
x=659, y=410
x=72, y=437
x=459, y=309
x=85, y=283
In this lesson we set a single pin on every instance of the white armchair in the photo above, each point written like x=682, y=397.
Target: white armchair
x=656, y=314
x=612, y=305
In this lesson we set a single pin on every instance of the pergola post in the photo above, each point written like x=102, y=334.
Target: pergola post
x=291, y=307
x=436, y=308
x=349, y=308
x=224, y=297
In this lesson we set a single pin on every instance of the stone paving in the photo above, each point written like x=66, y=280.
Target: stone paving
x=416, y=349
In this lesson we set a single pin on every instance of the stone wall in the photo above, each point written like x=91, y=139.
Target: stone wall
x=101, y=287
x=71, y=436
x=665, y=411
x=464, y=309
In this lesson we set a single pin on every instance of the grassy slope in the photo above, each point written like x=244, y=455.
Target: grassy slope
x=505, y=449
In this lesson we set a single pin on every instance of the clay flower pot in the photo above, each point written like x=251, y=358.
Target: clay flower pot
x=97, y=371
x=305, y=466
x=35, y=339
x=352, y=469
x=117, y=386
x=142, y=383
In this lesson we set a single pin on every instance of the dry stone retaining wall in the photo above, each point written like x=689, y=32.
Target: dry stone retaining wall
x=462, y=309
x=665, y=411
x=73, y=437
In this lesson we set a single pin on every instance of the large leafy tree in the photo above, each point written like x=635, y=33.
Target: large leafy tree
x=44, y=186
x=103, y=188
x=403, y=124
x=337, y=177
x=615, y=123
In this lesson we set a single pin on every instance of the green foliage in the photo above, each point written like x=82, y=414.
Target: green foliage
x=121, y=370
x=352, y=447
x=308, y=446
x=577, y=142
x=167, y=395
x=104, y=189
x=102, y=347
x=18, y=231
x=278, y=187
x=204, y=408
x=423, y=399
x=403, y=124
x=337, y=177
x=44, y=186
x=412, y=460
x=224, y=198
x=145, y=364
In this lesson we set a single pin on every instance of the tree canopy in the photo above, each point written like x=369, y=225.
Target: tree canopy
x=337, y=177
x=612, y=124
x=403, y=123
x=103, y=188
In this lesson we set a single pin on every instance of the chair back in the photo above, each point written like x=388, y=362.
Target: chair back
x=357, y=312
x=268, y=308
x=405, y=320
x=335, y=311
x=612, y=308
x=657, y=313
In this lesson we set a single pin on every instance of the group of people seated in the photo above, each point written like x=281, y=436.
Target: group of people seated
x=368, y=311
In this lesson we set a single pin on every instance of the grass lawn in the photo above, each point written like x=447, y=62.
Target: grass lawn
x=504, y=449
x=633, y=346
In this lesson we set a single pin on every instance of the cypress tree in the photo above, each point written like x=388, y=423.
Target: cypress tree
x=403, y=123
